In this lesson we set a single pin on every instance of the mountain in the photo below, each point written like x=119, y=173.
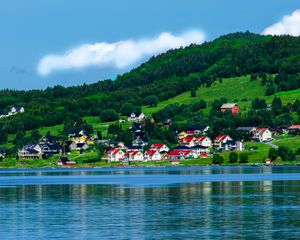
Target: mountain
x=274, y=60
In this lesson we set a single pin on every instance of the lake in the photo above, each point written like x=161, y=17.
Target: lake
x=158, y=203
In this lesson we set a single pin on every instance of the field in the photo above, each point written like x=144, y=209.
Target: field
x=293, y=143
x=241, y=90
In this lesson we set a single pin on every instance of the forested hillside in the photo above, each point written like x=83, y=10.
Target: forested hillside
x=272, y=60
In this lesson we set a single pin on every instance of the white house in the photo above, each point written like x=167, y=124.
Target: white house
x=221, y=140
x=30, y=151
x=234, y=146
x=152, y=155
x=189, y=141
x=78, y=146
x=263, y=134
x=198, y=150
x=115, y=155
x=140, y=141
x=203, y=141
x=15, y=110
x=134, y=156
x=160, y=147
x=136, y=117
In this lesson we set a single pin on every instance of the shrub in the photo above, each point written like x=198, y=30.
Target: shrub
x=286, y=153
x=273, y=153
x=217, y=159
x=243, y=158
x=233, y=157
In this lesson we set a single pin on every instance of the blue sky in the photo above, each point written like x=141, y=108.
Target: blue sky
x=32, y=30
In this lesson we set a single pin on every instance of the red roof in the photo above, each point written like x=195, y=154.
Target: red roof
x=157, y=145
x=201, y=138
x=151, y=152
x=221, y=137
x=177, y=153
x=113, y=151
x=261, y=130
x=294, y=127
x=131, y=153
x=187, y=139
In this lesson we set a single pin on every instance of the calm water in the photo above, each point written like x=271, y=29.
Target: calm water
x=164, y=203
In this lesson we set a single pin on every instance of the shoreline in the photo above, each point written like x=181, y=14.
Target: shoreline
x=147, y=167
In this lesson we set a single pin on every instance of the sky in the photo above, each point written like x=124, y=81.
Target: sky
x=71, y=42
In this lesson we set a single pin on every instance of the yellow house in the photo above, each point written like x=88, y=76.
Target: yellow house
x=182, y=134
x=79, y=138
x=90, y=142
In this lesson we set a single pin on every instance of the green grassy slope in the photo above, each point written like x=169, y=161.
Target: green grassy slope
x=240, y=89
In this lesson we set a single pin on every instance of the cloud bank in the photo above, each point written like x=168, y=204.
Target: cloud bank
x=118, y=55
x=289, y=25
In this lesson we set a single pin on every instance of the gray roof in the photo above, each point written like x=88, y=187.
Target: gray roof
x=245, y=128
x=228, y=105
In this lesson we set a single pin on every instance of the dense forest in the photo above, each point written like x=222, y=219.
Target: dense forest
x=274, y=60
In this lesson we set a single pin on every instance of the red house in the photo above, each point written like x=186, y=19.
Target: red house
x=233, y=107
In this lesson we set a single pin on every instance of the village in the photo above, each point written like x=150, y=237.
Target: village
x=193, y=143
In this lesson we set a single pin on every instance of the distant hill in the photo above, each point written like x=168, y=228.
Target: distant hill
x=275, y=60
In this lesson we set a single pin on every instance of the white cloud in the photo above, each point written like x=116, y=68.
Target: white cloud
x=118, y=55
x=289, y=25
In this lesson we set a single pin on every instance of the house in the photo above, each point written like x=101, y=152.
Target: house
x=115, y=155
x=193, y=131
x=233, y=107
x=221, y=140
x=168, y=122
x=115, y=144
x=294, y=128
x=133, y=156
x=30, y=151
x=136, y=117
x=262, y=135
x=247, y=129
x=197, y=130
x=3, y=152
x=79, y=138
x=133, y=148
x=15, y=110
x=140, y=141
x=199, y=150
x=49, y=139
x=160, y=147
x=180, y=154
x=182, y=134
x=182, y=148
x=51, y=148
x=234, y=146
x=188, y=141
x=203, y=141
x=79, y=146
x=90, y=141
x=64, y=161
x=152, y=155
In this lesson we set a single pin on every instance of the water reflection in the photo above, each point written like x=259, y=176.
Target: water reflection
x=205, y=210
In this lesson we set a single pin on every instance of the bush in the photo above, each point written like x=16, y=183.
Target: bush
x=109, y=115
x=217, y=159
x=243, y=158
x=286, y=153
x=273, y=153
x=233, y=157
x=193, y=93
x=270, y=91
